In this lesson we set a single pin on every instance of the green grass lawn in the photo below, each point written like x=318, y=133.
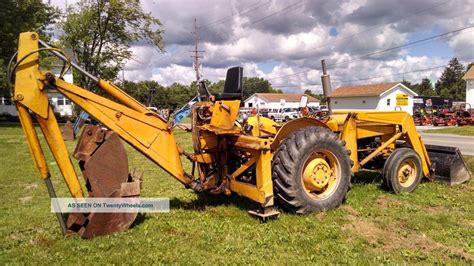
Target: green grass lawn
x=464, y=130
x=433, y=224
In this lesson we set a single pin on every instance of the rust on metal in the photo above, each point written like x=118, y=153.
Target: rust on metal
x=104, y=165
x=67, y=131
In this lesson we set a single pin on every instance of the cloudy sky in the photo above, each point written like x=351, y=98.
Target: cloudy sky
x=284, y=41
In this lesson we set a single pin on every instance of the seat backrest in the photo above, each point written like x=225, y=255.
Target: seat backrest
x=233, y=80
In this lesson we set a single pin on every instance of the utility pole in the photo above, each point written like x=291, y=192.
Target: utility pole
x=196, y=56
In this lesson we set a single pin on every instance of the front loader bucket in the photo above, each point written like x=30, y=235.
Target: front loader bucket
x=104, y=165
x=448, y=164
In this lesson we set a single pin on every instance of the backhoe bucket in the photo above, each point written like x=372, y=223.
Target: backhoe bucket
x=104, y=165
x=67, y=131
x=448, y=164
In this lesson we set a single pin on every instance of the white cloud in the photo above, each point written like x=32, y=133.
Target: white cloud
x=298, y=38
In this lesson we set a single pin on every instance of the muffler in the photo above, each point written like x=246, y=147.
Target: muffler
x=448, y=165
x=104, y=165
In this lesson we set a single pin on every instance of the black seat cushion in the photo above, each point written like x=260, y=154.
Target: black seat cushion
x=233, y=87
x=227, y=96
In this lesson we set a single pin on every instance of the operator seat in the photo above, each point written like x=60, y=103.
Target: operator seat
x=233, y=87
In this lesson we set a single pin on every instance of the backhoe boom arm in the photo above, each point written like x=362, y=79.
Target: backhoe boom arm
x=133, y=122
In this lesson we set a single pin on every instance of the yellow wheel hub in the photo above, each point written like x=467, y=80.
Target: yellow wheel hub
x=317, y=174
x=407, y=174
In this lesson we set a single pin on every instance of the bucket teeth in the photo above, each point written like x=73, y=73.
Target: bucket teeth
x=104, y=165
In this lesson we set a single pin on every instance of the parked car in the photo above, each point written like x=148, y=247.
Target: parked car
x=283, y=114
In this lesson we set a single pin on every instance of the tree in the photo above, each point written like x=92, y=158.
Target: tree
x=100, y=33
x=425, y=88
x=257, y=85
x=217, y=87
x=320, y=97
x=451, y=84
x=179, y=95
x=17, y=16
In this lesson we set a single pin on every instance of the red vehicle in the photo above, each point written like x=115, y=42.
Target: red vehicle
x=422, y=120
x=464, y=116
x=444, y=119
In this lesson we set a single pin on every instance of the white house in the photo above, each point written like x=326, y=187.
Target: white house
x=469, y=78
x=381, y=97
x=60, y=104
x=276, y=100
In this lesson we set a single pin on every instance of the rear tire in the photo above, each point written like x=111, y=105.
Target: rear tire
x=402, y=171
x=311, y=171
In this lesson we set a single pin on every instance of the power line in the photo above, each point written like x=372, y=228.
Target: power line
x=378, y=26
x=296, y=73
x=403, y=73
x=255, y=21
x=295, y=86
x=382, y=51
x=196, y=56
x=401, y=46
x=226, y=19
x=382, y=76
x=275, y=13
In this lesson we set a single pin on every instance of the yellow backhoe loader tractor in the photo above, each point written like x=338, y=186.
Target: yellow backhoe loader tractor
x=305, y=165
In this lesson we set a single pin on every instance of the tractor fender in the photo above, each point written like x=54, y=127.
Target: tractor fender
x=292, y=126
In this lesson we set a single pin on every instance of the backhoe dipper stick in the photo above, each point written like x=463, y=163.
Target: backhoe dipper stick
x=38, y=158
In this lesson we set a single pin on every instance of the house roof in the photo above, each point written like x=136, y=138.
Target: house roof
x=469, y=74
x=366, y=90
x=288, y=97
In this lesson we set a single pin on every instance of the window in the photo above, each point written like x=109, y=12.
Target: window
x=250, y=104
x=388, y=102
x=67, y=102
x=60, y=101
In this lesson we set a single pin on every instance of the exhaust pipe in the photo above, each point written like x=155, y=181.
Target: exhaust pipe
x=326, y=82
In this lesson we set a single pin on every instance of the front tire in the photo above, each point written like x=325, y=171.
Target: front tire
x=311, y=171
x=402, y=171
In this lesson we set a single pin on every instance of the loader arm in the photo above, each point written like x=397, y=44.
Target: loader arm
x=133, y=122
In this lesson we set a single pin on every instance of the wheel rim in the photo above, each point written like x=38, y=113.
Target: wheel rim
x=407, y=173
x=321, y=174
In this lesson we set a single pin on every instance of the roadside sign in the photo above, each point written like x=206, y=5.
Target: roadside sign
x=402, y=99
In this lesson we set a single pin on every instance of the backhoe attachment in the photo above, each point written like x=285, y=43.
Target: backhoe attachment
x=104, y=165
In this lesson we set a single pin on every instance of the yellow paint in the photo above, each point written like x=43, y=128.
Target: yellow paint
x=402, y=99
x=349, y=135
x=402, y=121
x=407, y=173
x=224, y=114
x=266, y=126
x=153, y=136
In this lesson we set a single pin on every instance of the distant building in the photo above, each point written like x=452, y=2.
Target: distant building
x=469, y=78
x=60, y=104
x=380, y=97
x=278, y=100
